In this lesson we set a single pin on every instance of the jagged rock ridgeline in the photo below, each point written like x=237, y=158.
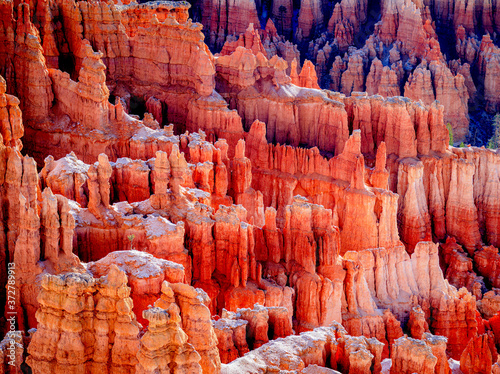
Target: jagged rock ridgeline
x=390, y=47
x=208, y=213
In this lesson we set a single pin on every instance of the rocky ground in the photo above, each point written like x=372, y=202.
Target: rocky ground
x=165, y=209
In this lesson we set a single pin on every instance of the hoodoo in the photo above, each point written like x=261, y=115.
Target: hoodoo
x=249, y=186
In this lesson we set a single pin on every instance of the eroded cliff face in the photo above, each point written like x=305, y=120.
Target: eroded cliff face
x=273, y=225
x=445, y=50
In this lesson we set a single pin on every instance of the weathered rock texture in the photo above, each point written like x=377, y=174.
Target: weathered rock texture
x=324, y=347
x=291, y=209
x=83, y=322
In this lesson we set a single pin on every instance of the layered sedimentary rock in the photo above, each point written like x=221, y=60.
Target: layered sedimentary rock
x=476, y=358
x=292, y=208
x=105, y=333
x=487, y=260
x=423, y=356
x=145, y=275
x=491, y=66
x=405, y=30
x=165, y=344
x=191, y=305
x=31, y=76
x=410, y=355
x=119, y=44
x=323, y=347
x=417, y=323
x=489, y=304
x=221, y=19
x=66, y=177
x=267, y=79
x=231, y=338
x=310, y=17
x=288, y=164
x=442, y=301
x=12, y=129
x=84, y=335
x=458, y=267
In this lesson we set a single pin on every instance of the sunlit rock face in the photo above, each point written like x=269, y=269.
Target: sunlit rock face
x=270, y=190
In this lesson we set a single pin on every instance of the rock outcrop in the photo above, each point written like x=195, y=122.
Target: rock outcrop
x=477, y=357
x=191, y=305
x=221, y=213
x=165, y=344
x=97, y=329
x=329, y=347
x=145, y=275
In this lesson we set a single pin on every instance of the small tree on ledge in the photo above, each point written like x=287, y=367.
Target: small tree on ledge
x=131, y=239
x=495, y=139
x=450, y=131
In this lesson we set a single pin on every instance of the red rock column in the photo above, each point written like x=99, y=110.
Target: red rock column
x=161, y=178
x=11, y=126
x=196, y=321
x=412, y=356
x=380, y=176
x=241, y=181
x=257, y=318
x=104, y=173
x=413, y=215
x=229, y=332
x=114, y=314
x=272, y=237
x=63, y=341
x=177, y=166
x=165, y=344
x=461, y=212
x=32, y=78
x=221, y=175
x=417, y=323
x=298, y=235
x=476, y=358
x=50, y=226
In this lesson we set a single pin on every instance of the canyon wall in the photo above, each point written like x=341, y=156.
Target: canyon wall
x=206, y=213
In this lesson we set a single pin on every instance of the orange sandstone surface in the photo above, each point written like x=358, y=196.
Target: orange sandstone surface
x=165, y=209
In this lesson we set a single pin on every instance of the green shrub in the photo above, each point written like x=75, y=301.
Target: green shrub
x=495, y=139
x=131, y=240
x=450, y=131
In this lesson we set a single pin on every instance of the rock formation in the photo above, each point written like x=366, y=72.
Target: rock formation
x=145, y=275
x=191, y=305
x=476, y=358
x=175, y=210
x=165, y=344
x=97, y=329
x=323, y=347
